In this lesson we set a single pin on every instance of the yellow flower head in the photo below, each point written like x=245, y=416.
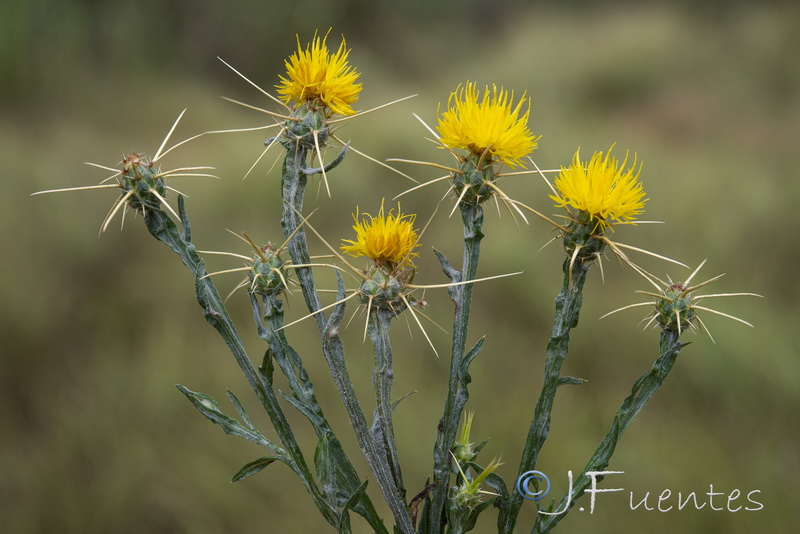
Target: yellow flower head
x=315, y=75
x=601, y=188
x=492, y=126
x=387, y=239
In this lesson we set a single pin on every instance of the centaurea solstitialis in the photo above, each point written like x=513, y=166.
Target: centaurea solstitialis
x=493, y=131
x=145, y=192
x=674, y=311
x=604, y=193
x=483, y=131
x=322, y=85
x=389, y=241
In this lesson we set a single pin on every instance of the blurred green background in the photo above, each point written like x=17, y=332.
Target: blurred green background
x=95, y=333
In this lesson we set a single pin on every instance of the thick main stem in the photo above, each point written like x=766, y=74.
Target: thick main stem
x=293, y=186
x=379, y=331
x=346, y=477
x=643, y=389
x=293, y=182
x=334, y=354
x=568, y=306
x=457, y=394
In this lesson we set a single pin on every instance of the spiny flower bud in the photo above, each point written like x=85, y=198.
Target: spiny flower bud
x=143, y=185
x=581, y=234
x=267, y=274
x=676, y=304
x=385, y=289
x=473, y=182
x=464, y=451
x=674, y=310
x=307, y=127
x=469, y=492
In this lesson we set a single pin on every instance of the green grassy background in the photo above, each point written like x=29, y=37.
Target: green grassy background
x=95, y=333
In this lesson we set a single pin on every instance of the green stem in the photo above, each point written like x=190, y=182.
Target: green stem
x=568, y=306
x=457, y=394
x=344, y=480
x=644, y=388
x=379, y=329
x=293, y=183
x=293, y=186
x=333, y=349
x=163, y=228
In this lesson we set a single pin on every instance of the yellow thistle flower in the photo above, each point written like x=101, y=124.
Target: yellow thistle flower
x=491, y=128
x=321, y=78
x=601, y=188
x=386, y=239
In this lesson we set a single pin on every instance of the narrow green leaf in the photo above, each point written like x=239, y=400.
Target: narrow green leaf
x=451, y=273
x=477, y=448
x=209, y=407
x=330, y=166
x=350, y=503
x=204, y=403
x=473, y=352
x=324, y=466
x=472, y=517
x=240, y=410
x=497, y=483
x=571, y=381
x=254, y=467
x=401, y=399
x=187, y=228
x=309, y=412
x=267, y=367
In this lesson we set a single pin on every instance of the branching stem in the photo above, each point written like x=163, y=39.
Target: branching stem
x=643, y=389
x=457, y=394
x=568, y=306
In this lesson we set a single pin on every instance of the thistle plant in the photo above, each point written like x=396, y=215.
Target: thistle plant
x=492, y=132
x=602, y=193
x=487, y=134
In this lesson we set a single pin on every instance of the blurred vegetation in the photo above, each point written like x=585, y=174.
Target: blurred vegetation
x=94, y=333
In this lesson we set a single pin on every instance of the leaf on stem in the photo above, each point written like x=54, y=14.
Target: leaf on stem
x=253, y=467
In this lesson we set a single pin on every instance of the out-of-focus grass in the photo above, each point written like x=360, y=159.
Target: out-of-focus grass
x=96, y=332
